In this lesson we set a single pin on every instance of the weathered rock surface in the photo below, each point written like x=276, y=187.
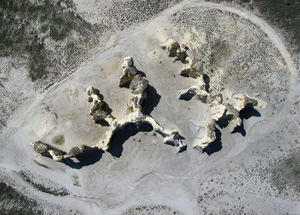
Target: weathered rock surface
x=176, y=51
x=209, y=137
x=46, y=149
x=56, y=154
x=244, y=101
x=96, y=111
x=138, y=86
x=229, y=111
x=75, y=151
x=41, y=147
x=191, y=71
x=129, y=72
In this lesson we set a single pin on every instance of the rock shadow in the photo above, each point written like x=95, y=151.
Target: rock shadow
x=240, y=129
x=223, y=123
x=152, y=100
x=123, y=134
x=206, y=80
x=216, y=145
x=106, y=109
x=141, y=73
x=120, y=137
x=246, y=113
x=138, y=72
x=87, y=158
x=187, y=96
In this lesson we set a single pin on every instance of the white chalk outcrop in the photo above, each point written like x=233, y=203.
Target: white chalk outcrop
x=56, y=154
x=229, y=111
x=176, y=51
x=138, y=86
x=209, y=137
x=129, y=72
x=96, y=111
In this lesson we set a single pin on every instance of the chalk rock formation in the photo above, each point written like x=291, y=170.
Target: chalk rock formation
x=177, y=51
x=191, y=71
x=209, y=137
x=175, y=140
x=218, y=109
x=41, y=147
x=229, y=111
x=97, y=111
x=129, y=72
x=244, y=101
x=138, y=86
x=75, y=151
x=198, y=90
x=56, y=154
x=194, y=91
x=46, y=149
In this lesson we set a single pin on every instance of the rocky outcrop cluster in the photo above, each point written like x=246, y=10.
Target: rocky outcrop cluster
x=133, y=79
x=221, y=111
x=176, y=51
x=97, y=110
x=138, y=86
x=56, y=154
x=129, y=72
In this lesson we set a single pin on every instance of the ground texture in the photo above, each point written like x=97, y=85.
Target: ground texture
x=51, y=51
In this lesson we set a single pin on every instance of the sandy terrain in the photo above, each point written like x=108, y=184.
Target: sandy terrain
x=141, y=175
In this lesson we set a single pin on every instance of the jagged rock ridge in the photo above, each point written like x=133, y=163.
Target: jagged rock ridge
x=138, y=86
x=221, y=110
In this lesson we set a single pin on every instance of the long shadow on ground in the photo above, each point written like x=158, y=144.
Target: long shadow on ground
x=87, y=158
x=122, y=135
x=152, y=100
x=216, y=145
x=93, y=155
x=244, y=114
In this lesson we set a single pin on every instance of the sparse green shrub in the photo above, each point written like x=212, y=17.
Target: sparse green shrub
x=25, y=25
x=13, y=202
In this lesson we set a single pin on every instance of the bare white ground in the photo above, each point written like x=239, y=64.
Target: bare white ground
x=149, y=177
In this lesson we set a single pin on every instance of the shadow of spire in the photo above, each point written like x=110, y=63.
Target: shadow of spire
x=89, y=157
x=245, y=114
x=216, y=145
x=152, y=100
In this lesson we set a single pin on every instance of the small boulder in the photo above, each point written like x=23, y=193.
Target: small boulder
x=41, y=147
x=138, y=84
x=75, y=151
x=129, y=72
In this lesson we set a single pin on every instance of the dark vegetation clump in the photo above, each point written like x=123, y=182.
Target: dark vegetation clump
x=283, y=14
x=56, y=191
x=124, y=14
x=286, y=176
x=13, y=202
x=25, y=26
